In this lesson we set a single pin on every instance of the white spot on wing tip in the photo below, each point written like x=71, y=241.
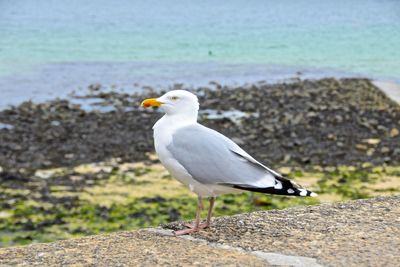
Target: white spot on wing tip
x=313, y=194
x=303, y=192
x=290, y=191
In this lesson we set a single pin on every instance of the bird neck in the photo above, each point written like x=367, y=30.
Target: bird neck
x=176, y=120
x=183, y=118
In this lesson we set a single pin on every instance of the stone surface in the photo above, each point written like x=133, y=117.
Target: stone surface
x=141, y=248
x=354, y=233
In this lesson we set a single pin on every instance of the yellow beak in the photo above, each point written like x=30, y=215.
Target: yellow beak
x=151, y=102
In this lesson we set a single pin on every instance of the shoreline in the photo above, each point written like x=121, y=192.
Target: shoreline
x=135, y=77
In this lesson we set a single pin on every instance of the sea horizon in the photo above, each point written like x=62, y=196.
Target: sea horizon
x=49, y=48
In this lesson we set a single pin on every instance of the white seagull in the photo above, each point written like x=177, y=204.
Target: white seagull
x=207, y=162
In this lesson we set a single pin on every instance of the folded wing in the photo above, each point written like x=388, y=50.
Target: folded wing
x=211, y=158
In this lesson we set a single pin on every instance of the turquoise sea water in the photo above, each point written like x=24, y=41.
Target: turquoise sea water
x=45, y=40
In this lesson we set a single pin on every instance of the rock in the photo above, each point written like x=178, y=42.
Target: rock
x=311, y=114
x=55, y=123
x=373, y=122
x=285, y=170
x=238, y=141
x=340, y=144
x=382, y=128
x=269, y=127
x=394, y=132
x=331, y=137
x=372, y=141
x=339, y=118
x=250, y=106
x=69, y=156
x=361, y=147
x=5, y=215
x=287, y=158
x=43, y=174
x=94, y=87
x=385, y=150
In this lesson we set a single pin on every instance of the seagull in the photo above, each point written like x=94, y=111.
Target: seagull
x=206, y=161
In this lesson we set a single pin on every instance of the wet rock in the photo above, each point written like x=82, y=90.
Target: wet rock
x=6, y=126
x=304, y=119
x=238, y=141
x=94, y=87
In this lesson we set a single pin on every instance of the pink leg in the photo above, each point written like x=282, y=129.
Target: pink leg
x=210, y=210
x=196, y=227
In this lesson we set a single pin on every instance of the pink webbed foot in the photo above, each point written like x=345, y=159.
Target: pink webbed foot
x=186, y=231
x=192, y=226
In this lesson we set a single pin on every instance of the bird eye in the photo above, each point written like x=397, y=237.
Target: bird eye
x=174, y=98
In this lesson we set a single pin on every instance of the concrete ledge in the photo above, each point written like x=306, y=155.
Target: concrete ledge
x=354, y=233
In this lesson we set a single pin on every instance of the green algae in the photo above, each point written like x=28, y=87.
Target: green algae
x=127, y=197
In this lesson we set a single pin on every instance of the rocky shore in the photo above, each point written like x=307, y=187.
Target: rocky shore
x=84, y=165
x=326, y=122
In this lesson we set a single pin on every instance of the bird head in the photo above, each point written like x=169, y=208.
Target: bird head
x=175, y=102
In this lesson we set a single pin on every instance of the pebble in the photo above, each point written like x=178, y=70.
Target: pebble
x=394, y=132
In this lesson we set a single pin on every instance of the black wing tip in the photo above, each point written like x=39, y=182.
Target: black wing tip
x=292, y=191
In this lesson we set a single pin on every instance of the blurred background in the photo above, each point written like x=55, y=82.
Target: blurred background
x=309, y=87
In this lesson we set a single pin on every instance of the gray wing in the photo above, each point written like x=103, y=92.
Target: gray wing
x=212, y=158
